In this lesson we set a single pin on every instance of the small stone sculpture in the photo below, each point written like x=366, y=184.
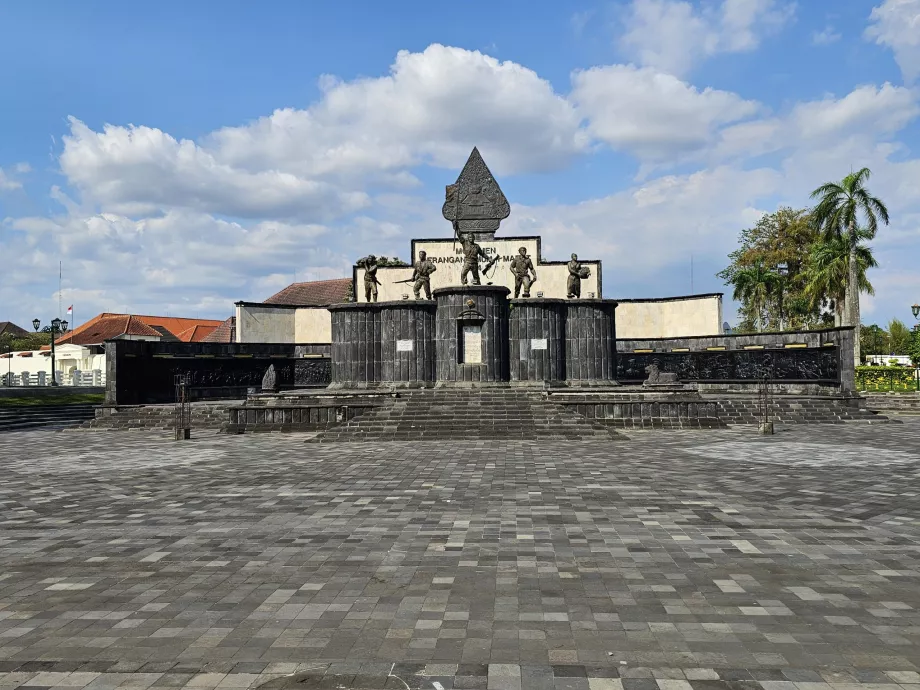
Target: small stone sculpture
x=270, y=380
x=369, y=264
x=656, y=377
x=522, y=268
x=422, y=275
x=577, y=273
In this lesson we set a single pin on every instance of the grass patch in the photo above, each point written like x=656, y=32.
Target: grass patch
x=38, y=400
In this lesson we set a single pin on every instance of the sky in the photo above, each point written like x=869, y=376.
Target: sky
x=176, y=157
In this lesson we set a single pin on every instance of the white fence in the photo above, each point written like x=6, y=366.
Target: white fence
x=96, y=377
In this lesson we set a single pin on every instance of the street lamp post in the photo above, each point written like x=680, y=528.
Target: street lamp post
x=57, y=326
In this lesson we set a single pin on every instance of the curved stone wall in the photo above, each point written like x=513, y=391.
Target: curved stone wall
x=590, y=341
x=456, y=360
x=407, y=348
x=536, y=340
x=356, y=346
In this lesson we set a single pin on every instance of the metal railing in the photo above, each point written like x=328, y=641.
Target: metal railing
x=888, y=379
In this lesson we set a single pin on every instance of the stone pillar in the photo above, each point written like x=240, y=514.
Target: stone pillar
x=590, y=342
x=537, y=340
x=847, y=360
x=472, y=339
x=407, y=332
x=24, y=376
x=355, y=344
x=42, y=378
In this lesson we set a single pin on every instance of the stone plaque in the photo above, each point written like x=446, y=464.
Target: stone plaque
x=538, y=344
x=404, y=346
x=472, y=344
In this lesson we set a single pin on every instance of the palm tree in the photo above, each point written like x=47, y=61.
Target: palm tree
x=836, y=215
x=755, y=285
x=829, y=269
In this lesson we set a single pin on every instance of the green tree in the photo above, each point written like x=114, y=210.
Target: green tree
x=837, y=215
x=780, y=238
x=914, y=351
x=30, y=341
x=874, y=340
x=827, y=271
x=899, y=338
x=755, y=286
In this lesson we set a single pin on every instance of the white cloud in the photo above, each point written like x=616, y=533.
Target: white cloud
x=7, y=183
x=826, y=36
x=653, y=115
x=896, y=24
x=433, y=107
x=139, y=170
x=672, y=35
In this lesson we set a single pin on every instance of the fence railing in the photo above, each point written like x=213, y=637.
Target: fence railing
x=95, y=377
x=888, y=379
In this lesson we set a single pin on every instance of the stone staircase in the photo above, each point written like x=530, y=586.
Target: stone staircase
x=789, y=409
x=893, y=403
x=204, y=415
x=24, y=417
x=461, y=414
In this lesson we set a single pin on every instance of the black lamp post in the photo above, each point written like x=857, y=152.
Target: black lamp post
x=916, y=311
x=57, y=326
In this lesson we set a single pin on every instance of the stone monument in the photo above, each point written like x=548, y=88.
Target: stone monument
x=474, y=203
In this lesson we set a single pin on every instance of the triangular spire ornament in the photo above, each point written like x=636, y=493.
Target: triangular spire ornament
x=475, y=203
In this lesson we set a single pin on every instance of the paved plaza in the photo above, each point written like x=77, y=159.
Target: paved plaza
x=669, y=560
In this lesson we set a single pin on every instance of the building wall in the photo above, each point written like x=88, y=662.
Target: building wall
x=269, y=323
x=67, y=358
x=447, y=255
x=677, y=317
x=312, y=325
x=674, y=317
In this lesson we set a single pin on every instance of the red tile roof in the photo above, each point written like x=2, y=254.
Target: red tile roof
x=225, y=333
x=107, y=326
x=183, y=329
x=317, y=293
x=10, y=328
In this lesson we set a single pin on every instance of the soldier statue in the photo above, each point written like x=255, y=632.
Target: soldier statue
x=370, y=278
x=577, y=272
x=522, y=268
x=471, y=254
x=421, y=275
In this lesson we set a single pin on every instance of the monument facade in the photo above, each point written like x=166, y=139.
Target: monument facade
x=473, y=255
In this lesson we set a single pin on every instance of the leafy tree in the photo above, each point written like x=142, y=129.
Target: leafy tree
x=827, y=272
x=837, y=215
x=914, y=351
x=30, y=341
x=899, y=338
x=784, y=237
x=874, y=340
x=755, y=286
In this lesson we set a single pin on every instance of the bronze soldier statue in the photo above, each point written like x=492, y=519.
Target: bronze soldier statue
x=522, y=267
x=422, y=275
x=370, y=278
x=471, y=254
x=576, y=273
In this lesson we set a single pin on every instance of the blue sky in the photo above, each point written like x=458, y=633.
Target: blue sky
x=180, y=156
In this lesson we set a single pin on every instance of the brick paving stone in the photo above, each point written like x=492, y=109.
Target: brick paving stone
x=668, y=560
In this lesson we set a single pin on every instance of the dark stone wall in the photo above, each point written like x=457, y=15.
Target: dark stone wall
x=143, y=372
x=414, y=322
x=537, y=319
x=822, y=357
x=813, y=365
x=356, y=346
x=492, y=303
x=590, y=341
